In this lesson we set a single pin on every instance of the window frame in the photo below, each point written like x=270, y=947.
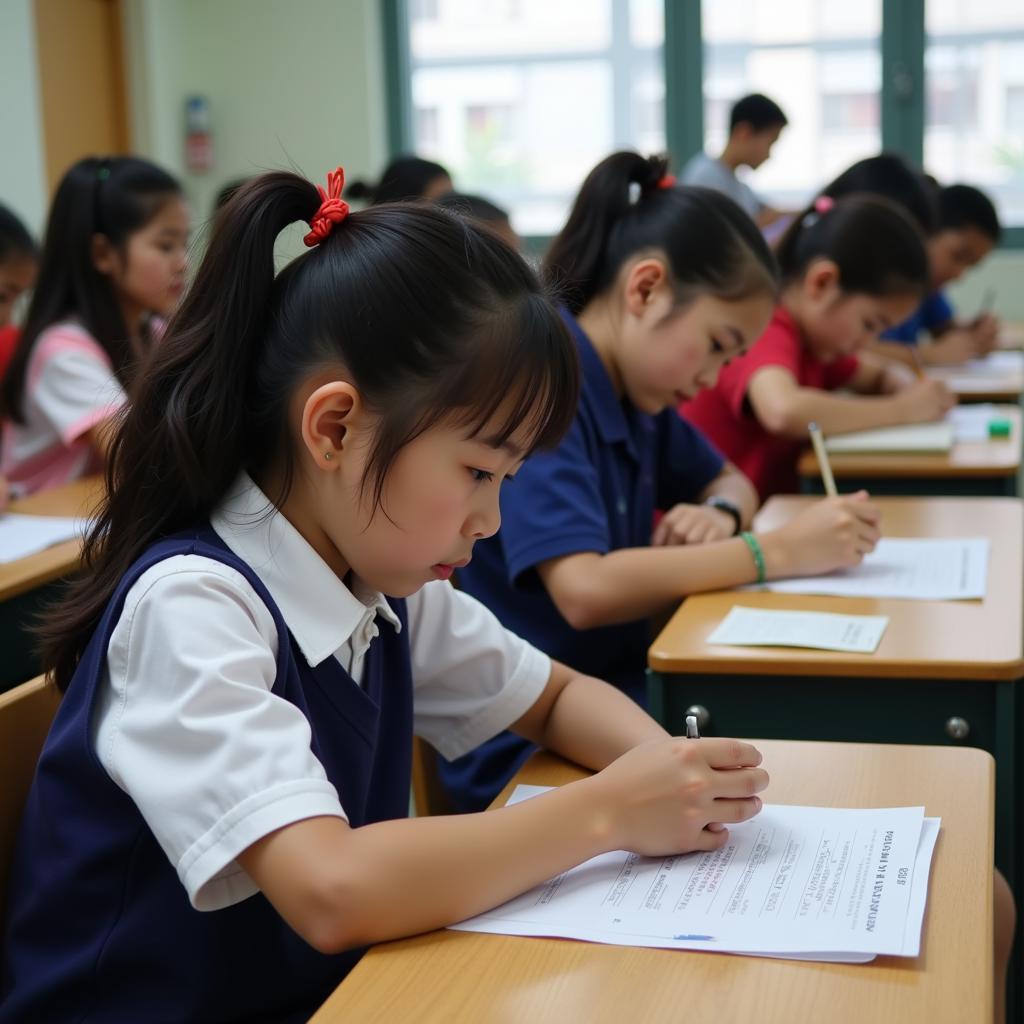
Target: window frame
x=902, y=100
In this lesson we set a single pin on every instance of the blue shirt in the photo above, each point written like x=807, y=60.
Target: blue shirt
x=932, y=313
x=134, y=949
x=597, y=491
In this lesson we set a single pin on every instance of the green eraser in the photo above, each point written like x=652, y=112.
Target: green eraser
x=999, y=428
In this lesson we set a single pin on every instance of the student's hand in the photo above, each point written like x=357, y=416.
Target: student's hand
x=956, y=346
x=835, y=533
x=662, y=795
x=984, y=334
x=693, y=524
x=924, y=401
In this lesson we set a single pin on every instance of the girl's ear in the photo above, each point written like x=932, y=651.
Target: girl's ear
x=821, y=279
x=329, y=415
x=643, y=279
x=104, y=256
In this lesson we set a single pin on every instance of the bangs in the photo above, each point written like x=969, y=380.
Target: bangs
x=526, y=379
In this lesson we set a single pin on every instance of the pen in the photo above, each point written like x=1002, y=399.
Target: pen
x=823, y=464
x=915, y=356
x=692, y=732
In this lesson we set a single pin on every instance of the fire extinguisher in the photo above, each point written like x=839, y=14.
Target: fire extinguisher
x=198, y=140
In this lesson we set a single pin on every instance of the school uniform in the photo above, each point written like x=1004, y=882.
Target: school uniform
x=725, y=416
x=233, y=687
x=70, y=387
x=933, y=313
x=596, y=492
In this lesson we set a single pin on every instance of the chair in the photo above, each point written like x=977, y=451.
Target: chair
x=428, y=794
x=25, y=716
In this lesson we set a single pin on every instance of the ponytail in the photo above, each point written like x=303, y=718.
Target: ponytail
x=627, y=206
x=877, y=247
x=432, y=319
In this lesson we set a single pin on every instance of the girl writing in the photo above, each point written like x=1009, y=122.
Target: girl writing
x=664, y=285
x=265, y=620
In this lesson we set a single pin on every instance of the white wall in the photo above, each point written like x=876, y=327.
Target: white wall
x=290, y=84
x=22, y=178
x=1004, y=273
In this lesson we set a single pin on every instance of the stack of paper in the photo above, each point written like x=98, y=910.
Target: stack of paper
x=811, y=883
x=825, y=631
x=21, y=535
x=921, y=568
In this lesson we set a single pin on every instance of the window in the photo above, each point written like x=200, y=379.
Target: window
x=494, y=86
x=820, y=60
x=974, y=111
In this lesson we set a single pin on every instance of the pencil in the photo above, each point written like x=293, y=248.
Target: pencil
x=915, y=356
x=823, y=464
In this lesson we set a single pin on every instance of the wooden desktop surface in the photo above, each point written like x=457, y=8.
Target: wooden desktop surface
x=996, y=457
x=924, y=639
x=447, y=977
x=78, y=498
x=981, y=385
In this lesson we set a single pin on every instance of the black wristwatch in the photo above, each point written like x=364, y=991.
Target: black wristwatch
x=728, y=507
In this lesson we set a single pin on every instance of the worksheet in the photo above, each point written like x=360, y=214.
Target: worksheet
x=805, y=882
x=768, y=627
x=912, y=438
x=22, y=535
x=926, y=569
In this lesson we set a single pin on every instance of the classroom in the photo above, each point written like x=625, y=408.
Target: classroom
x=511, y=510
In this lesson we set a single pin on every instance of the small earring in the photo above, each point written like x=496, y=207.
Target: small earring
x=327, y=455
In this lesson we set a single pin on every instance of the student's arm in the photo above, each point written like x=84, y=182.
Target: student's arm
x=785, y=408
x=101, y=435
x=591, y=589
x=768, y=215
x=894, y=351
x=699, y=523
x=877, y=375
x=956, y=343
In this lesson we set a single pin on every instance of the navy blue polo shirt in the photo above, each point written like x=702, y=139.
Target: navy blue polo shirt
x=596, y=492
x=934, y=312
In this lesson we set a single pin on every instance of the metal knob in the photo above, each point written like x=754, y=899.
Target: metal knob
x=702, y=714
x=958, y=728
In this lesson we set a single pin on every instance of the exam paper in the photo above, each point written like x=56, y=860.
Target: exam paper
x=980, y=374
x=924, y=569
x=22, y=535
x=798, y=882
x=764, y=627
x=915, y=437
x=971, y=422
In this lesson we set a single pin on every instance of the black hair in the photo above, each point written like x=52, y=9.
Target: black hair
x=473, y=206
x=226, y=192
x=758, y=111
x=15, y=240
x=406, y=177
x=963, y=206
x=110, y=196
x=877, y=247
x=623, y=208
x=435, y=321
x=890, y=176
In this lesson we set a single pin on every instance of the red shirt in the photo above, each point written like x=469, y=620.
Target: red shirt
x=8, y=342
x=724, y=415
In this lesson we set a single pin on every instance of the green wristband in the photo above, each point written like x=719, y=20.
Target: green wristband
x=755, y=550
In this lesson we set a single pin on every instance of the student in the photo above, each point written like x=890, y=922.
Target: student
x=216, y=797
x=113, y=259
x=19, y=262
x=755, y=124
x=663, y=286
x=493, y=217
x=406, y=177
x=850, y=269
x=968, y=230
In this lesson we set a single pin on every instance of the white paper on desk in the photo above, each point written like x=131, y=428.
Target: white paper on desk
x=915, y=437
x=768, y=627
x=924, y=569
x=971, y=422
x=22, y=535
x=804, y=882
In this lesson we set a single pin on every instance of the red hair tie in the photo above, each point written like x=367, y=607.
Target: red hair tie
x=667, y=181
x=333, y=209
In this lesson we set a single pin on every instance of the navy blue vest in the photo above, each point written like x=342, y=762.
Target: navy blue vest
x=99, y=926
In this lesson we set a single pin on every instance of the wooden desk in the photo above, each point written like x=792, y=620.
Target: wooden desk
x=969, y=468
x=938, y=662
x=447, y=977
x=29, y=583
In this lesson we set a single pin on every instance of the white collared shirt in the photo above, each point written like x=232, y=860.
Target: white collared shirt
x=187, y=726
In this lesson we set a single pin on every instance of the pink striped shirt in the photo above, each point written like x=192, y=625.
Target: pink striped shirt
x=70, y=387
